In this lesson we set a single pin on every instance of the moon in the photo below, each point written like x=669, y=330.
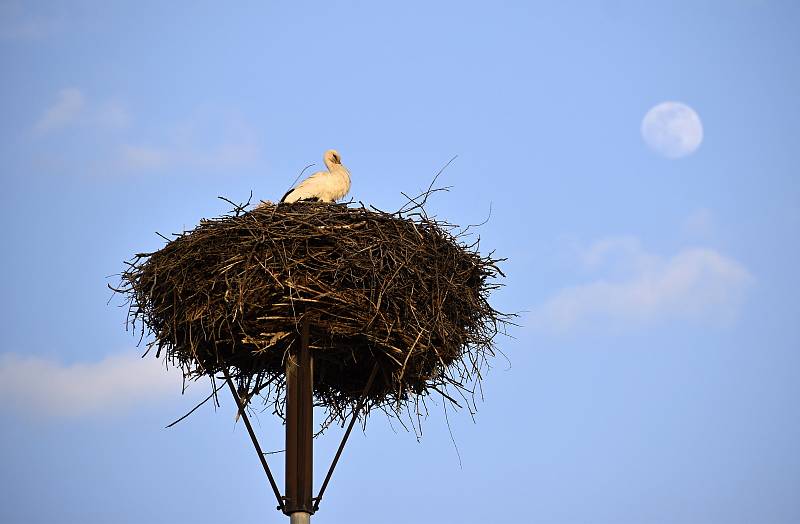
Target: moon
x=672, y=129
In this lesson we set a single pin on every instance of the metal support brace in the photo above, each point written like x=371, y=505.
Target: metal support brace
x=246, y=419
x=298, y=502
x=356, y=411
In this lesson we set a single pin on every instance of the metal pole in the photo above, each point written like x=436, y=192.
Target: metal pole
x=300, y=429
x=300, y=517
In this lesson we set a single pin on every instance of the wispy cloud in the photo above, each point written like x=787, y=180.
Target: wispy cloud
x=44, y=387
x=207, y=139
x=18, y=24
x=110, y=114
x=637, y=287
x=148, y=158
x=699, y=224
x=67, y=108
x=72, y=107
x=234, y=144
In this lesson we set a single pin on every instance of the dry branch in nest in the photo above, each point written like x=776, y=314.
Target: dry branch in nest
x=398, y=289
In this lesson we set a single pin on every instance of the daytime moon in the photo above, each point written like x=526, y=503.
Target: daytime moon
x=672, y=129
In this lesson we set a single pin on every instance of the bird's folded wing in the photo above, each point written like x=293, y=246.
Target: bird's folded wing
x=308, y=189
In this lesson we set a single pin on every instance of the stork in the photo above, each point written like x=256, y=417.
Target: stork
x=323, y=186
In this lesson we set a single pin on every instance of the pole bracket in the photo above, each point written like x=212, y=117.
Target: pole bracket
x=318, y=499
x=252, y=434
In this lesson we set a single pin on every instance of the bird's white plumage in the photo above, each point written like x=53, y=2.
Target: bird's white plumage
x=323, y=186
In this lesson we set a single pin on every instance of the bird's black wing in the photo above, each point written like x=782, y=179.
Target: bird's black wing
x=310, y=199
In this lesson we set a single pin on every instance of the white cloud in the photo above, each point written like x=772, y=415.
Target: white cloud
x=696, y=283
x=68, y=106
x=208, y=139
x=233, y=144
x=111, y=113
x=699, y=224
x=145, y=157
x=623, y=253
x=17, y=24
x=73, y=108
x=39, y=386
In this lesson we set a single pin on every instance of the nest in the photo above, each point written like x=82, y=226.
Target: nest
x=398, y=290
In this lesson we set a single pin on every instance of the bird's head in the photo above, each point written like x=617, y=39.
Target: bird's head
x=332, y=158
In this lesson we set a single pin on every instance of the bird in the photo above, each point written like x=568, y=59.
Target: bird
x=323, y=186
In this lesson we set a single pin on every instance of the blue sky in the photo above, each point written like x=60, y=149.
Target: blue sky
x=655, y=373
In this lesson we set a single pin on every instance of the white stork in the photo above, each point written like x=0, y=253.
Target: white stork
x=323, y=186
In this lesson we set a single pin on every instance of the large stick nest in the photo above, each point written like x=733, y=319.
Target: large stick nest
x=400, y=290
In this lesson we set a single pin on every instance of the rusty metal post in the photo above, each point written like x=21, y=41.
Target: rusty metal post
x=300, y=517
x=300, y=428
